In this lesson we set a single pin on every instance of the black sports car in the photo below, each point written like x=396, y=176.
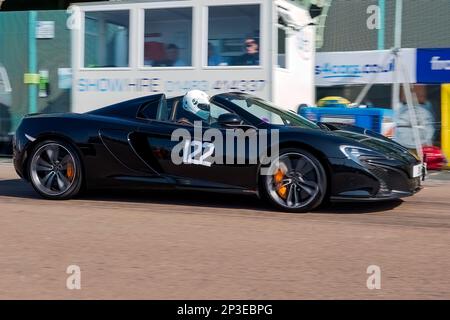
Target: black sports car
x=131, y=145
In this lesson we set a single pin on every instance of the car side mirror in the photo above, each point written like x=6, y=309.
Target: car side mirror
x=229, y=119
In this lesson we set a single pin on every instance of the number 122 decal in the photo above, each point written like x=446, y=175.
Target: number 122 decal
x=192, y=150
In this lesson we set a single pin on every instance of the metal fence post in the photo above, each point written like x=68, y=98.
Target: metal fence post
x=32, y=61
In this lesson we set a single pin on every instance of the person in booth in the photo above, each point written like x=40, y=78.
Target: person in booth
x=251, y=55
x=173, y=56
x=214, y=59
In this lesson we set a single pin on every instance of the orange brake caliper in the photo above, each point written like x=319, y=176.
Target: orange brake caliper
x=70, y=171
x=278, y=179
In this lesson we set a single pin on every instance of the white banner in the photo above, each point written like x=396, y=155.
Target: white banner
x=361, y=67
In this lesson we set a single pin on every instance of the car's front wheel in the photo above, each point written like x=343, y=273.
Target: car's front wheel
x=55, y=170
x=295, y=181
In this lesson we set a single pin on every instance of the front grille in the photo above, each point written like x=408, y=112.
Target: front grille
x=382, y=175
x=393, y=179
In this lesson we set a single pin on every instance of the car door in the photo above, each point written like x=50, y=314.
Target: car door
x=191, y=154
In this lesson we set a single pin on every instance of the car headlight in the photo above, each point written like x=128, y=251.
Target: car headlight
x=361, y=155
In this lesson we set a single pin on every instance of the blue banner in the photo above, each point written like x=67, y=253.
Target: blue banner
x=433, y=65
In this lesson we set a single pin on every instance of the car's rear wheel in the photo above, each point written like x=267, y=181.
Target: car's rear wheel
x=295, y=181
x=55, y=170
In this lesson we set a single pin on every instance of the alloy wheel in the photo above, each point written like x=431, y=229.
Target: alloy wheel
x=53, y=169
x=294, y=181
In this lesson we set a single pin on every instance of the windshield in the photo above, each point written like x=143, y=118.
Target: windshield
x=269, y=113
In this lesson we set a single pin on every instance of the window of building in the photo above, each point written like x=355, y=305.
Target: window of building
x=281, y=52
x=106, y=39
x=233, y=35
x=168, y=37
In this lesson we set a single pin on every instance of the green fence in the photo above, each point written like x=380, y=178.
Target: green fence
x=19, y=50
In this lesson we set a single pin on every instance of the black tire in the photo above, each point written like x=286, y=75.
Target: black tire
x=37, y=160
x=309, y=183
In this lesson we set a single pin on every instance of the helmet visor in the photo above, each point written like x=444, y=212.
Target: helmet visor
x=203, y=106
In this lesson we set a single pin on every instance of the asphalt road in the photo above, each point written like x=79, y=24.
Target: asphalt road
x=166, y=245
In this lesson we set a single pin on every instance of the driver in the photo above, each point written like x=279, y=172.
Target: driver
x=196, y=104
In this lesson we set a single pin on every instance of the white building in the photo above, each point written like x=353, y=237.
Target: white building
x=127, y=49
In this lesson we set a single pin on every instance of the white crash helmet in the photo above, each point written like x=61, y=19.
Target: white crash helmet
x=197, y=102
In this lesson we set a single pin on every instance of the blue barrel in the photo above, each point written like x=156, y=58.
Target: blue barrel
x=375, y=119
